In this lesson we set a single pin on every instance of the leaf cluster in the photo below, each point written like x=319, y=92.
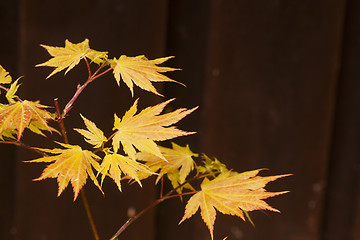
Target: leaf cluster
x=133, y=151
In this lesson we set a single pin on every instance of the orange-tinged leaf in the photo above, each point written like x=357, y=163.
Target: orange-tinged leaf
x=71, y=164
x=70, y=55
x=141, y=130
x=117, y=165
x=141, y=71
x=231, y=193
x=5, y=78
x=20, y=114
x=9, y=133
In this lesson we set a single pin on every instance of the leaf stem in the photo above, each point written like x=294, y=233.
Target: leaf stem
x=100, y=74
x=88, y=67
x=112, y=135
x=6, y=89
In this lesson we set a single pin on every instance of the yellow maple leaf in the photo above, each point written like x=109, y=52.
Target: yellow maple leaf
x=141, y=71
x=70, y=55
x=93, y=135
x=37, y=128
x=178, y=164
x=71, y=164
x=20, y=114
x=211, y=166
x=231, y=193
x=115, y=165
x=4, y=76
x=141, y=130
x=177, y=157
x=10, y=94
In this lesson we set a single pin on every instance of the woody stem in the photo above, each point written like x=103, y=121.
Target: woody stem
x=80, y=88
x=82, y=192
x=155, y=203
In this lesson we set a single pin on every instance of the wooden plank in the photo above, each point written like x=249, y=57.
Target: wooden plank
x=8, y=60
x=268, y=102
x=119, y=27
x=341, y=210
x=7, y=188
x=356, y=225
x=186, y=38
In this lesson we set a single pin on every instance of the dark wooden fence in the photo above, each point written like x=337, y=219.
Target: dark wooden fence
x=278, y=85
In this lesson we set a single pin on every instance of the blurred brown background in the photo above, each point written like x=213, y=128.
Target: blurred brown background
x=277, y=83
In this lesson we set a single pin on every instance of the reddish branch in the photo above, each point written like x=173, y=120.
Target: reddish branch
x=80, y=88
x=158, y=201
x=6, y=89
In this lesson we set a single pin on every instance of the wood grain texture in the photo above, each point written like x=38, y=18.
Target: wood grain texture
x=8, y=60
x=268, y=102
x=115, y=26
x=341, y=204
x=277, y=85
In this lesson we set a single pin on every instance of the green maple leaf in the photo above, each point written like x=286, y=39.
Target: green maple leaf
x=70, y=55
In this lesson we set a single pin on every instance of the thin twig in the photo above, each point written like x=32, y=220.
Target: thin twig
x=112, y=135
x=82, y=191
x=89, y=215
x=73, y=99
x=133, y=219
x=155, y=203
x=20, y=144
x=6, y=89
x=95, y=76
x=82, y=87
x=60, y=121
x=88, y=67
x=161, y=186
